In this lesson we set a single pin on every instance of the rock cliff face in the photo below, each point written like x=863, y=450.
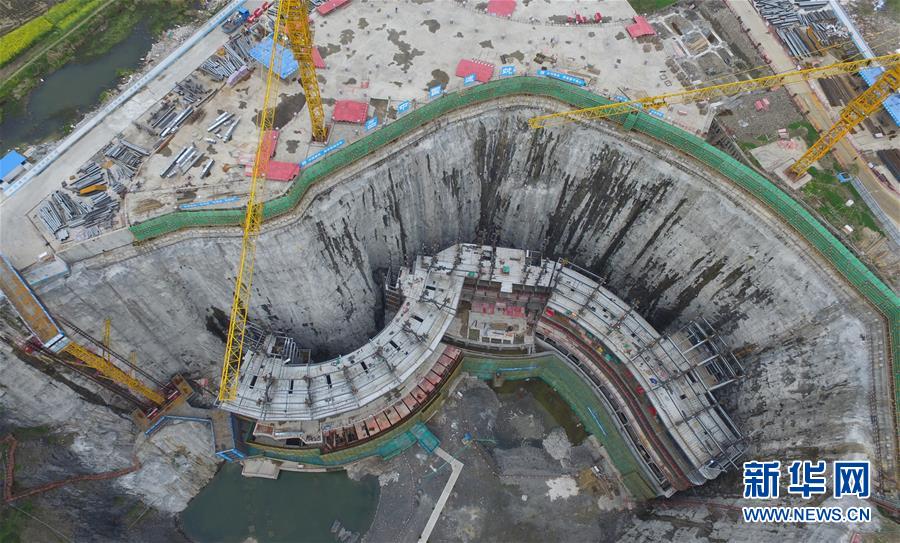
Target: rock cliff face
x=176, y=462
x=668, y=236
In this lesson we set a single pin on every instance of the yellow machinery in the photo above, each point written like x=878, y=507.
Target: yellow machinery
x=294, y=15
x=49, y=336
x=109, y=370
x=853, y=114
x=240, y=306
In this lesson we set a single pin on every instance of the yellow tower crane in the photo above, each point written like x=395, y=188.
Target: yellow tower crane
x=295, y=23
x=853, y=114
x=856, y=112
x=292, y=19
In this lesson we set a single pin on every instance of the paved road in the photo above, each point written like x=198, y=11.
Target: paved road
x=20, y=240
x=818, y=114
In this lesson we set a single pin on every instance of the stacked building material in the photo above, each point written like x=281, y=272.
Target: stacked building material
x=60, y=213
x=802, y=25
x=780, y=13
x=206, y=168
x=234, y=56
x=191, y=91
x=184, y=161
x=172, y=126
x=162, y=116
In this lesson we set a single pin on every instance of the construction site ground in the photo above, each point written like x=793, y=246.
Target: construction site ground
x=522, y=477
x=376, y=52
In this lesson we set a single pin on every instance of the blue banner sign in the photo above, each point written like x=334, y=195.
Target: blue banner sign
x=403, y=107
x=371, y=123
x=620, y=98
x=469, y=80
x=435, y=91
x=506, y=71
x=312, y=158
x=209, y=202
x=563, y=77
x=656, y=113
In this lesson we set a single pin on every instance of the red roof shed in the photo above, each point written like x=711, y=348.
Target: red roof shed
x=503, y=8
x=640, y=28
x=483, y=71
x=317, y=58
x=330, y=6
x=350, y=111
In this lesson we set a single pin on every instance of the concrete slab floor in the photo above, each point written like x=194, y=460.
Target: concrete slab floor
x=526, y=482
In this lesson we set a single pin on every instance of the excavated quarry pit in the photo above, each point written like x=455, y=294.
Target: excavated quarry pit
x=670, y=236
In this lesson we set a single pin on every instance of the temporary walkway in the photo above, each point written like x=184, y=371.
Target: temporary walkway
x=29, y=308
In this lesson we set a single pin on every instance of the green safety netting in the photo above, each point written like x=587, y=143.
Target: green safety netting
x=785, y=207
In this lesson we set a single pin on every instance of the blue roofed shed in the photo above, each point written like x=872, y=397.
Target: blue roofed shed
x=11, y=166
x=285, y=63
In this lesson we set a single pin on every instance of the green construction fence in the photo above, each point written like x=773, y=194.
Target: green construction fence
x=785, y=207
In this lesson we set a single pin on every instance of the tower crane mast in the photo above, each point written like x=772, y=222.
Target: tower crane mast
x=291, y=21
x=295, y=21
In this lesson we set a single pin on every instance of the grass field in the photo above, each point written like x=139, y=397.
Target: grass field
x=805, y=130
x=829, y=197
x=648, y=6
x=44, y=29
x=94, y=37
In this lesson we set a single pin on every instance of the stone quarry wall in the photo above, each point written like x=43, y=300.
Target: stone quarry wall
x=175, y=464
x=671, y=237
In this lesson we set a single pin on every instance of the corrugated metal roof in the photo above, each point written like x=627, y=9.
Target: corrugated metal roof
x=284, y=58
x=10, y=162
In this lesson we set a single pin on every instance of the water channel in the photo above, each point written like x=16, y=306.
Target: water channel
x=70, y=92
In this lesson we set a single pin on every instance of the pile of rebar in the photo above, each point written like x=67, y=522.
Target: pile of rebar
x=781, y=13
x=235, y=54
x=172, y=126
x=61, y=213
x=90, y=174
x=223, y=126
x=183, y=162
x=191, y=91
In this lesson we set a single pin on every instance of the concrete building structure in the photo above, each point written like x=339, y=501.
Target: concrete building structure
x=664, y=385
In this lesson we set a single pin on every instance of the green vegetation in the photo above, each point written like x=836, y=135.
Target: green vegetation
x=13, y=521
x=31, y=432
x=892, y=7
x=805, y=130
x=20, y=39
x=647, y=6
x=50, y=26
x=829, y=197
x=89, y=40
